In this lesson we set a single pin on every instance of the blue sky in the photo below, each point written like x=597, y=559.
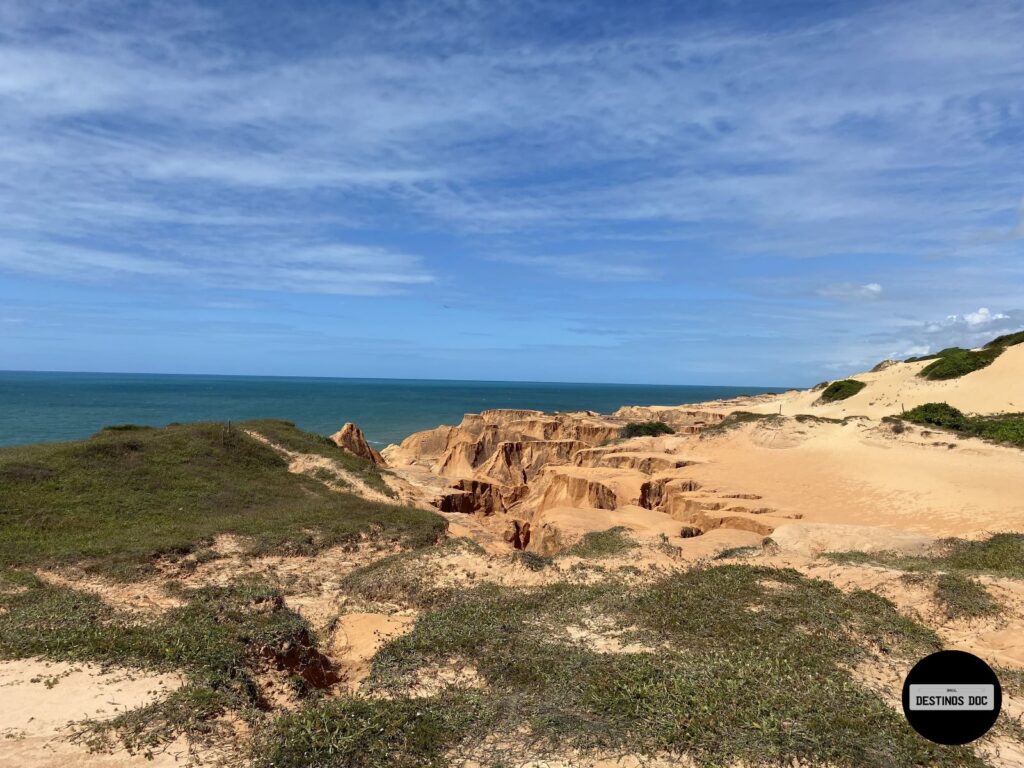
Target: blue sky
x=707, y=192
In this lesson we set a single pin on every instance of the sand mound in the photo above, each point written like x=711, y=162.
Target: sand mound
x=38, y=700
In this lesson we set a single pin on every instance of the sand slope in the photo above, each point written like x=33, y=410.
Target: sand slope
x=998, y=388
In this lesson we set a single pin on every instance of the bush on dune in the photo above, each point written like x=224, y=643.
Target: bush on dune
x=1001, y=428
x=1007, y=340
x=954, y=362
x=646, y=429
x=840, y=390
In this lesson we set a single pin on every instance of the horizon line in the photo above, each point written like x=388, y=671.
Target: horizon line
x=391, y=378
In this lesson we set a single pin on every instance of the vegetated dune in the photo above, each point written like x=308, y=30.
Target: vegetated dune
x=998, y=388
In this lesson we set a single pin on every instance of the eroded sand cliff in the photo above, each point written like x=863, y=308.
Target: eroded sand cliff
x=541, y=481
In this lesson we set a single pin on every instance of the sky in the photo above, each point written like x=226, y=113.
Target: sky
x=733, y=192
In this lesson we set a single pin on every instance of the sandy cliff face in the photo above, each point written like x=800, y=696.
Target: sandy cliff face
x=541, y=481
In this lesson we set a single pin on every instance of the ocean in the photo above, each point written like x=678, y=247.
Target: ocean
x=39, y=407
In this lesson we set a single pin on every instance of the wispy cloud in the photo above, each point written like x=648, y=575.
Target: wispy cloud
x=398, y=146
x=332, y=269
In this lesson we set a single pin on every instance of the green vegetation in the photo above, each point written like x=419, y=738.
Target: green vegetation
x=745, y=665
x=124, y=497
x=646, y=429
x=1007, y=340
x=809, y=418
x=533, y=561
x=936, y=415
x=725, y=554
x=1001, y=428
x=222, y=639
x=999, y=555
x=287, y=435
x=407, y=578
x=964, y=598
x=730, y=664
x=349, y=733
x=600, y=544
x=840, y=390
x=954, y=362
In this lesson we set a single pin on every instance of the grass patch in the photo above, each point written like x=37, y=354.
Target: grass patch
x=599, y=544
x=403, y=733
x=840, y=390
x=999, y=555
x=646, y=429
x=964, y=598
x=751, y=666
x=286, y=434
x=810, y=418
x=1006, y=428
x=725, y=554
x=407, y=578
x=532, y=561
x=221, y=639
x=118, y=500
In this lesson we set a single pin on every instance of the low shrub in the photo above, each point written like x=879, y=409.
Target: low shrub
x=954, y=362
x=646, y=429
x=840, y=390
x=1007, y=340
x=1005, y=428
x=599, y=544
x=936, y=415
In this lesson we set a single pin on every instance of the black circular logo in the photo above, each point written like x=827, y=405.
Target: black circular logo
x=952, y=697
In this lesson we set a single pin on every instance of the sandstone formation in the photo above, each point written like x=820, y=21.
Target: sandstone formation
x=540, y=481
x=351, y=438
x=544, y=480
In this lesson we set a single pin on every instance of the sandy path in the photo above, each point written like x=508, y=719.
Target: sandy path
x=308, y=463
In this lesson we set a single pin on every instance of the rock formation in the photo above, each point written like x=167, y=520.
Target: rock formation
x=546, y=479
x=351, y=438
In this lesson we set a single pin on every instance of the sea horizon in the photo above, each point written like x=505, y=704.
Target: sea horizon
x=383, y=378
x=47, y=406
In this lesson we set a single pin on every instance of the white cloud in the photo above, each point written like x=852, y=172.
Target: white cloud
x=969, y=330
x=982, y=317
x=916, y=350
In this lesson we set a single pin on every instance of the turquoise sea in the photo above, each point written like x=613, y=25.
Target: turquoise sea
x=36, y=407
